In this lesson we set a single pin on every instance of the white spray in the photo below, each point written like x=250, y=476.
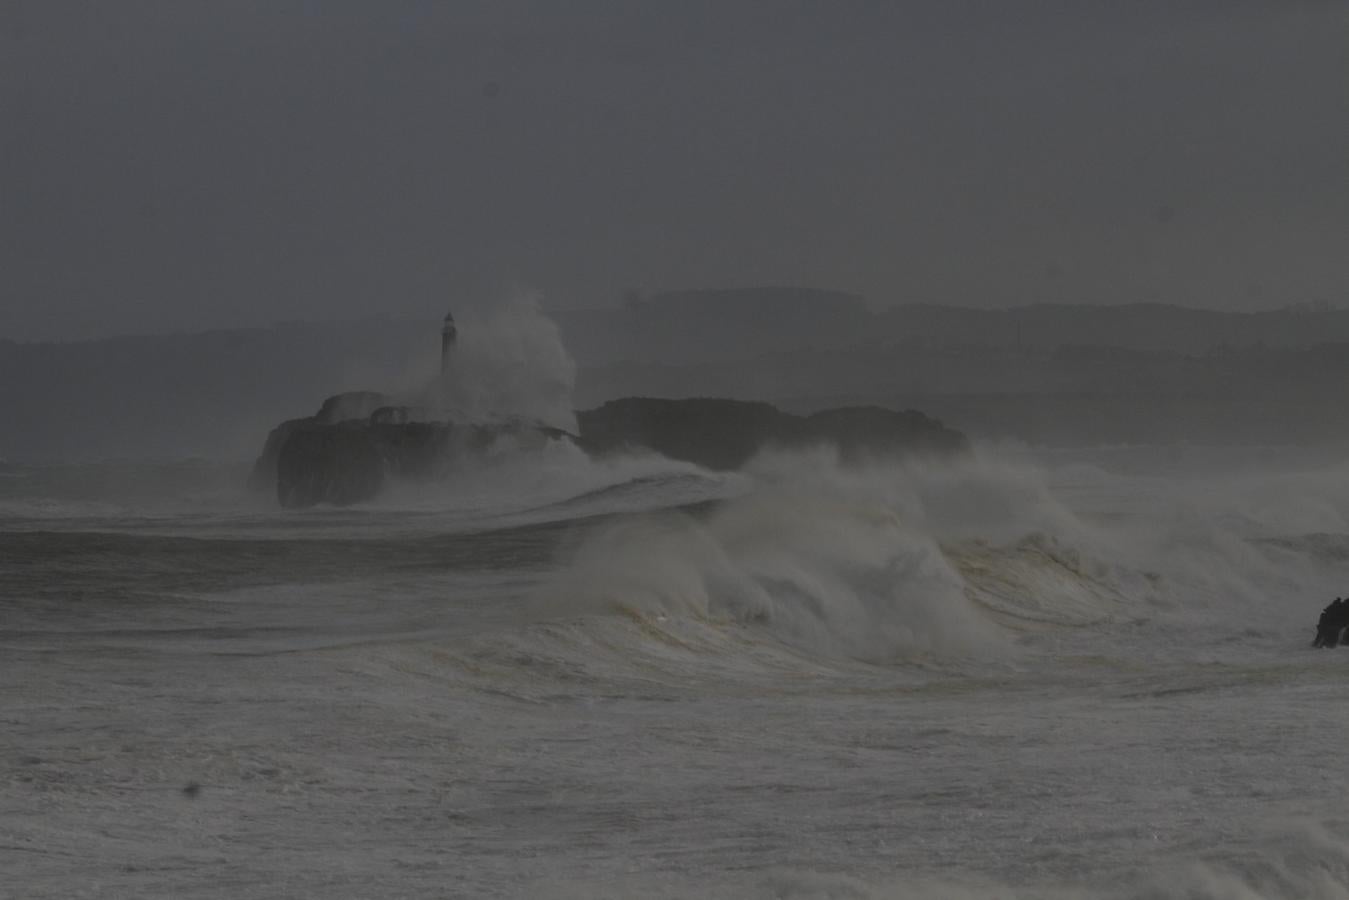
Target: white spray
x=894, y=561
x=508, y=363
x=824, y=557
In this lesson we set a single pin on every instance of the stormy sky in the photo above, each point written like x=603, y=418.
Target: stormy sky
x=182, y=165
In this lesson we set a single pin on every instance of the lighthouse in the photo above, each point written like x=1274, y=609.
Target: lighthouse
x=448, y=332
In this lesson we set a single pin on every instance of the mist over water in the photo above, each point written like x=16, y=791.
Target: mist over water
x=829, y=559
x=1077, y=673
x=1022, y=673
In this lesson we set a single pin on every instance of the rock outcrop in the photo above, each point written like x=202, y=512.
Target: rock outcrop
x=1332, y=624
x=349, y=450
x=725, y=434
x=339, y=408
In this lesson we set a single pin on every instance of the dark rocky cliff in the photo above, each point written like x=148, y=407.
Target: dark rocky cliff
x=357, y=441
x=346, y=453
x=725, y=434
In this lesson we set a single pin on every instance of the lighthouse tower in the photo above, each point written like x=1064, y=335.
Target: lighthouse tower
x=448, y=332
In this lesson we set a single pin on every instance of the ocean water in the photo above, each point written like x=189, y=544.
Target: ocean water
x=1070, y=674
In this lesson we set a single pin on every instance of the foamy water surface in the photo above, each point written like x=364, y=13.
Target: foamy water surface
x=1067, y=674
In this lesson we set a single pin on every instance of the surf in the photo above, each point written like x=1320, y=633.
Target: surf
x=967, y=559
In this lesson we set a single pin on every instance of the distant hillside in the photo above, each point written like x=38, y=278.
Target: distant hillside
x=216, y=394
x=1065, y=396
x=711, y=326
x=1141, y=326
x=696, y=327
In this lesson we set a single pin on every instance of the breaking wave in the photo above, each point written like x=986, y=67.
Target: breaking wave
x=963, y=559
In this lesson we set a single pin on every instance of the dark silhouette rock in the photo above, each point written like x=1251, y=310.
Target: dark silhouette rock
x=717, y=434
x=725, y=434
x=338, y=464
x=357, y=442
x=351, y=406
x=1330, y=626
x=351, y=462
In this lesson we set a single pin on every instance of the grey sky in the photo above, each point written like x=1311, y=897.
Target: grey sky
x=184, y=165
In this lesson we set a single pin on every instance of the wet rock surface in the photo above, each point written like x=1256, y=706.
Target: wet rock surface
x=348, y=451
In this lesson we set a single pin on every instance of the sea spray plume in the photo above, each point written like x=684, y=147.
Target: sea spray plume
x=1024, y=553
x=1278, y=504
x=885, y=560
x=1265, y=548
x=1014, y=547
x=509, y=363
x=821, y=559
x=1249, y=543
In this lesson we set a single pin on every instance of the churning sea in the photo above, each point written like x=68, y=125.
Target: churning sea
x=1070, y=674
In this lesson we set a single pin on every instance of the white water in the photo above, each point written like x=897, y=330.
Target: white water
x=1078, y=676
x=509, y=363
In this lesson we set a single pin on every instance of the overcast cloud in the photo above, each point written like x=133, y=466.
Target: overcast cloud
x=189, y=165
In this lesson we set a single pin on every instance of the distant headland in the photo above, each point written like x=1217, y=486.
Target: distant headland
x=357, y=443
x=1053, y=374
x=360, y=440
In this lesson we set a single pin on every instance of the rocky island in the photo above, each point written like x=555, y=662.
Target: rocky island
x=725, y=434
x=357, y=442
